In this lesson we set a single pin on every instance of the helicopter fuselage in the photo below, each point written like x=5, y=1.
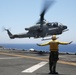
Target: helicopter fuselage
x=47, y=29
x=42, y=28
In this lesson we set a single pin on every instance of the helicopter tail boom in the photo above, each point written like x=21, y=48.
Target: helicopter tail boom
x=11, y=36
x=9, y=33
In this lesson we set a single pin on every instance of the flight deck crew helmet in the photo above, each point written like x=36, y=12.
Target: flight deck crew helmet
x=54, y=37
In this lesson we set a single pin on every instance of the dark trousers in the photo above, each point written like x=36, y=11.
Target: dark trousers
x=53, y=58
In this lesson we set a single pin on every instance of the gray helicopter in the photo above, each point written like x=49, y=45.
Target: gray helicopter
x=42, y=28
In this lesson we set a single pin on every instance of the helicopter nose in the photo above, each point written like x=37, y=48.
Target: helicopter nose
x=65, y=27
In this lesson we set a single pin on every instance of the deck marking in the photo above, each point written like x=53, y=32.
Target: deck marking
x=9, y=57
x=68, y=63
x=32, y=57
x=35, y=67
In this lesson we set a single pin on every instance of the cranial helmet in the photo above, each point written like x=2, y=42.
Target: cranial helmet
x=54, y=37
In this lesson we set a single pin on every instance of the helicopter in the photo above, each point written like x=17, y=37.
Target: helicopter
x=42, y=28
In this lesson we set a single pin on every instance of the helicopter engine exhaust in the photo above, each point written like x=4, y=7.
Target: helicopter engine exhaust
x=26, y=28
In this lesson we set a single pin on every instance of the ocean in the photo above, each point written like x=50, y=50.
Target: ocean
x=71, y=48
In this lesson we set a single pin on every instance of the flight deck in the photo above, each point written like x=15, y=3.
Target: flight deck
x=16, y=62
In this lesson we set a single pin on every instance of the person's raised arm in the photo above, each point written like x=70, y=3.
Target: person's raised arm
x=65, y=43
x=44, y=44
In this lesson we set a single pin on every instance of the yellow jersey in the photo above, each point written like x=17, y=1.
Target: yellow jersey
x=54, y=44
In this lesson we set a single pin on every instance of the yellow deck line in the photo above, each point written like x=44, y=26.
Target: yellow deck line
x=23, y=56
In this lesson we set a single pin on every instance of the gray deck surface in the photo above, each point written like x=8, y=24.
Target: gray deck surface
x=13, y=62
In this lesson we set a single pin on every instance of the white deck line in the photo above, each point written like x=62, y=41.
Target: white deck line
x=9, y=58
x=35, y=67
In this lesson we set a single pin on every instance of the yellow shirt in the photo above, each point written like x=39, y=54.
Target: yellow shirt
x=54, y=44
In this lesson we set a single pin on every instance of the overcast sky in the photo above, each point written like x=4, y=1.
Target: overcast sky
x=19, y=14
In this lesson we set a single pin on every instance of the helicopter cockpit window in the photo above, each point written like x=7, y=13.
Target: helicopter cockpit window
x=49, y=24
x=55, y=24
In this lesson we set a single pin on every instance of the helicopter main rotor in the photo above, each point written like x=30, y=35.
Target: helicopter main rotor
x=46, y=6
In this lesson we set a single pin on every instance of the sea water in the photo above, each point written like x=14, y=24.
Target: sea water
x=62, y=48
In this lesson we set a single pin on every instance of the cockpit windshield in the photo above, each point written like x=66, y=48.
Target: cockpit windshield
x=49, y=24
x=54, y=24
x=60, y=24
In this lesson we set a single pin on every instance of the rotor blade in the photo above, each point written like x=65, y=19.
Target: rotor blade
x=5, y=29
x=46, y=6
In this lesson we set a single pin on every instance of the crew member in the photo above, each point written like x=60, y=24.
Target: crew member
x=53, y=56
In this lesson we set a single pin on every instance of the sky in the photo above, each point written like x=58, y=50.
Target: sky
x=16, y=15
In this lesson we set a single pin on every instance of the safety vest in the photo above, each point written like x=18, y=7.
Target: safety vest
x=54, y=45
